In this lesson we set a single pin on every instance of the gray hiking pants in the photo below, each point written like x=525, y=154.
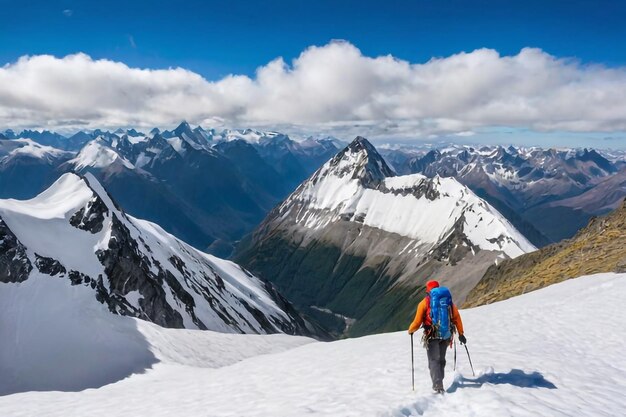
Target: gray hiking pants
x=436, y=351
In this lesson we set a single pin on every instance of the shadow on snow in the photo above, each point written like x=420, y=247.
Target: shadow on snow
x=73, y=360
x=57, y=337
x=515, y=377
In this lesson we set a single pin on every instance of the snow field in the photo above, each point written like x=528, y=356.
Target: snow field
x=553, y=352
x=57, y=337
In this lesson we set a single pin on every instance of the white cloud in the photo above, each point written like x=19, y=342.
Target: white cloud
x=68, y=12
x=332, y=88
x=465, y=133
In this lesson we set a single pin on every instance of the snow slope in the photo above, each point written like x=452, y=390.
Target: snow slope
x=59, y=338
x=428, y=221
x=539, y=354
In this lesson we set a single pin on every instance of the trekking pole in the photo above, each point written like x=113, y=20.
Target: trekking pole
x=412, y=364
x=470, y=359
x=454, y=354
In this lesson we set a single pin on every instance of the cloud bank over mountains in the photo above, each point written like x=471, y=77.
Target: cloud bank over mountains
x=332, y=88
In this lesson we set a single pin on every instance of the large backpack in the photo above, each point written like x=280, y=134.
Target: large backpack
x=440, y=312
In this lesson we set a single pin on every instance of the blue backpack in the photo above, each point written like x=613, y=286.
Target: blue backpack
x=440, y=311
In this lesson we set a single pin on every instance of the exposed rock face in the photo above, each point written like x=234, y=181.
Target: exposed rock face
x=132, y=266
x=599, y=247
x=90, y=217
x=49, y=266
x=360, y=241
x=369, y=168
x=129, y=270
x=455, y=247
x=14, y=263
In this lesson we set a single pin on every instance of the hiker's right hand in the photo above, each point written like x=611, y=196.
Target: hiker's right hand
x=462, y=339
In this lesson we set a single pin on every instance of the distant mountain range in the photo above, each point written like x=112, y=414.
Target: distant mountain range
x=354, y=244
x=212, y=187
x=209, y=188
x=548, y=194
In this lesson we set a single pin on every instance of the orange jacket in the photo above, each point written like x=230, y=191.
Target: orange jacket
x=423, y=317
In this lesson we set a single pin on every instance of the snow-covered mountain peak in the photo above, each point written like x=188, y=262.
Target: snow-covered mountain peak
x=134, y=133
x=67, y=195
x=355, y=238
x=135, y=138
x=29, y=148
x=358, y=161
x=74, y=230
x=98, y=154
x=44, y=225
x=358, y=186
x=183, y=127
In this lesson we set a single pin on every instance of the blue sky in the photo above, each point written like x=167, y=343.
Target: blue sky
x=215, y=38
x=218, y=38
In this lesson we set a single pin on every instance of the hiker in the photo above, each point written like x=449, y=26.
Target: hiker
x=437, y=307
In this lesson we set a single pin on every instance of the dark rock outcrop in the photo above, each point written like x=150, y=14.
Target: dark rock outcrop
x=90, y=217
x=14, y=263
x=128, y=270
x=49, y=266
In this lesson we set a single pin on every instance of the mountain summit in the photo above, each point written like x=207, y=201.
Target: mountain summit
x=359, y=160
x=357, y=240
